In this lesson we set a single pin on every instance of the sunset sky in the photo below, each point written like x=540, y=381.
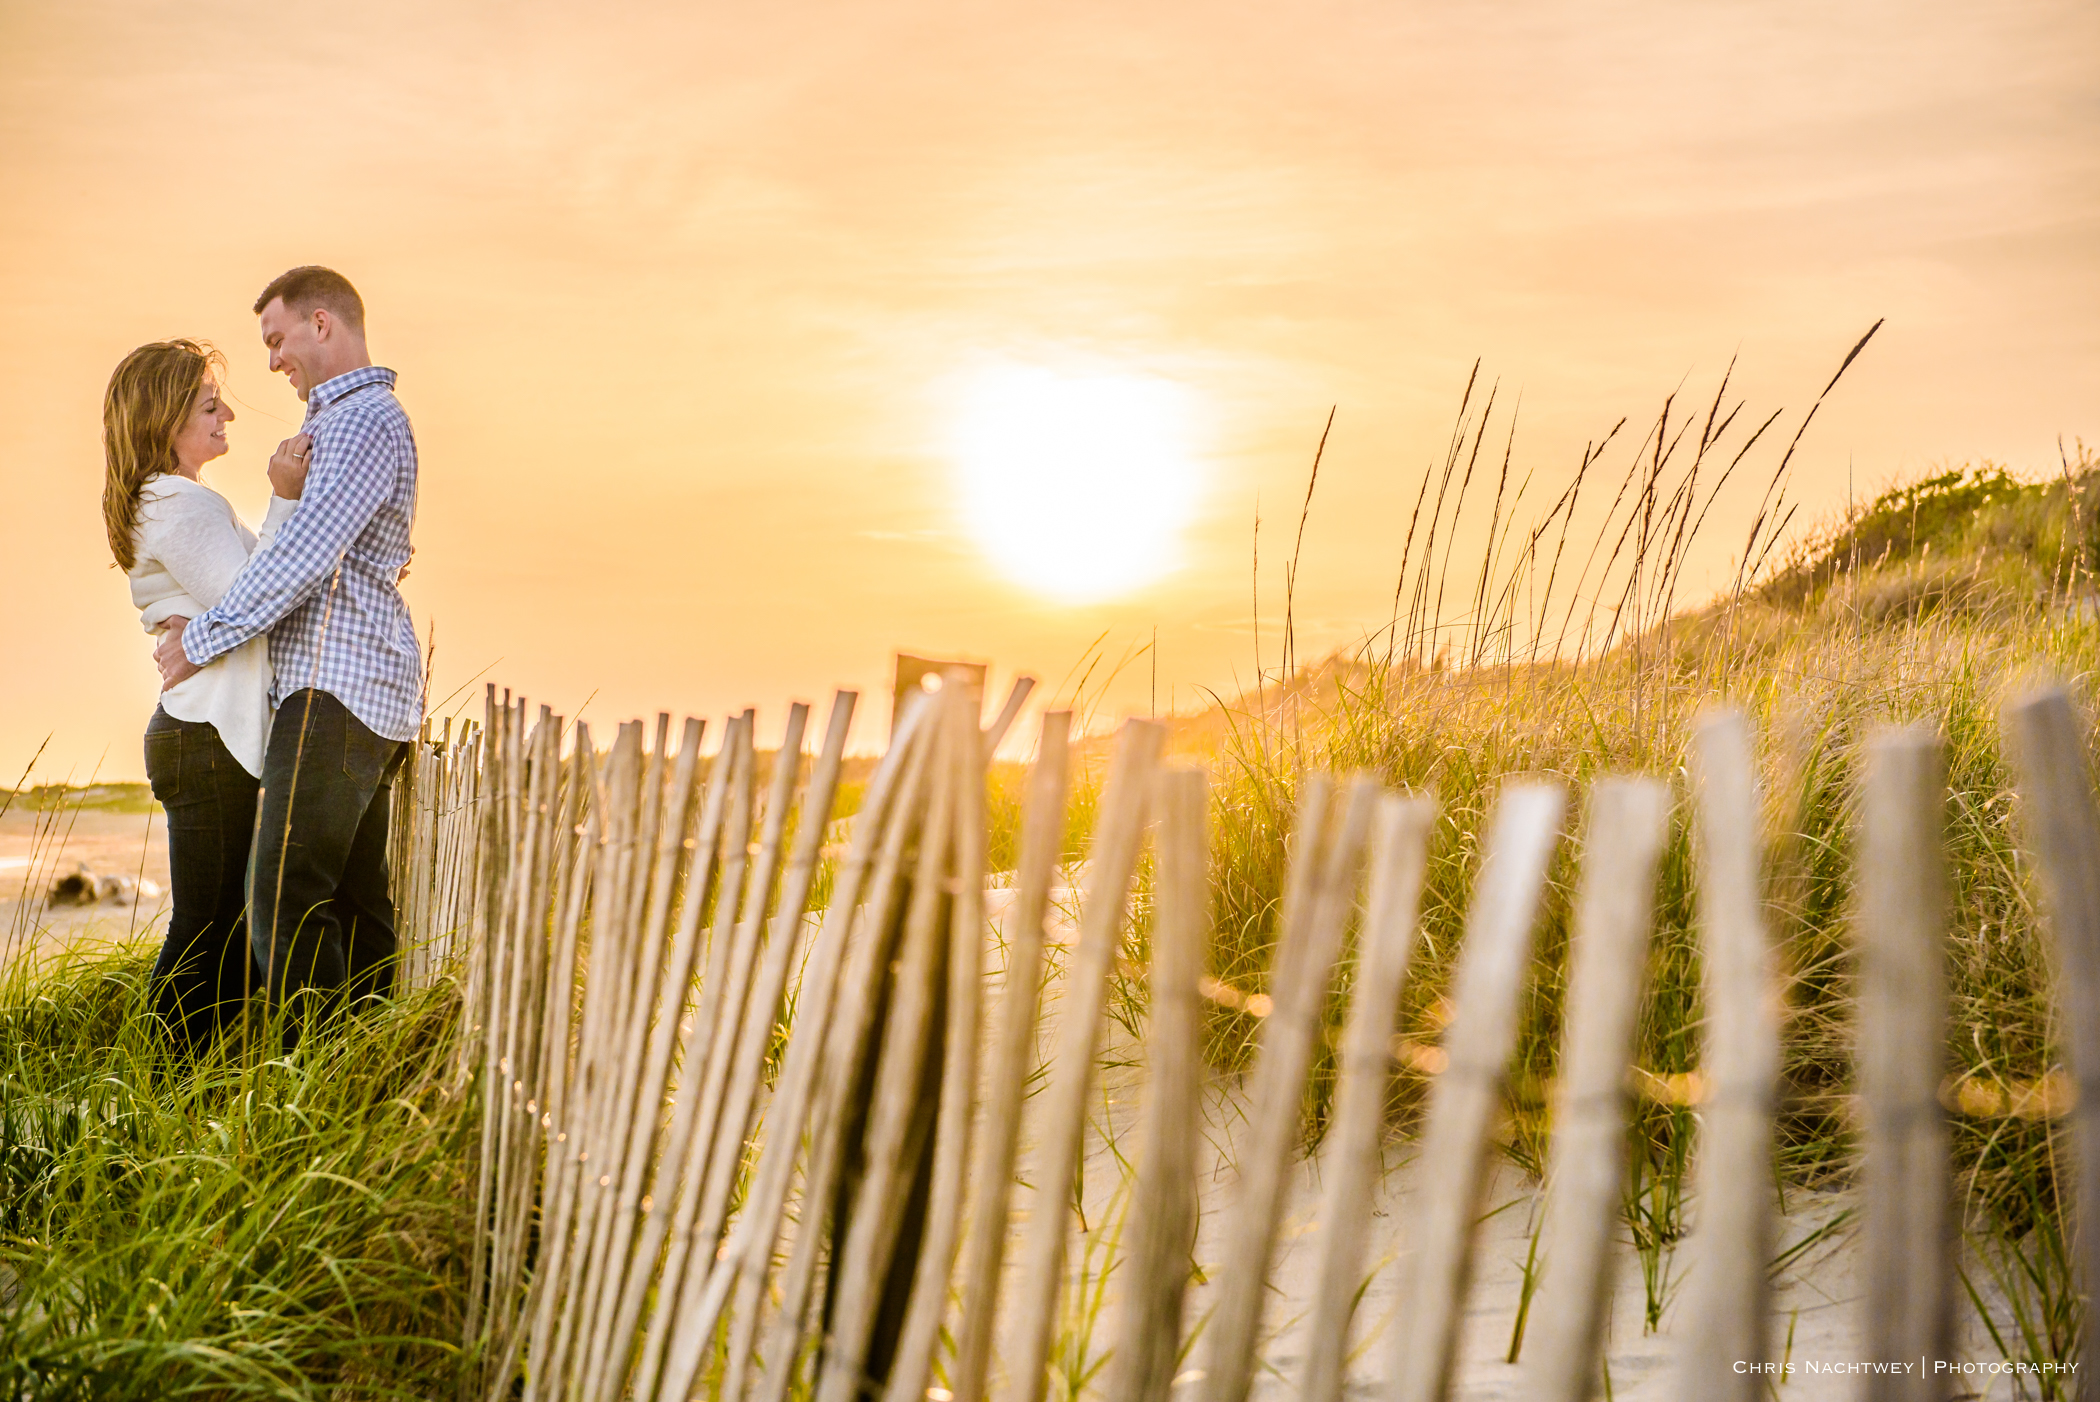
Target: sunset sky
x=738, y=340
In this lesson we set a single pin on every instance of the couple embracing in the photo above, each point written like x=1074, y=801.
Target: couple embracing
x=291, y=679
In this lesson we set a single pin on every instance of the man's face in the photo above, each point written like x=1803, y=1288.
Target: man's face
x=295, y=343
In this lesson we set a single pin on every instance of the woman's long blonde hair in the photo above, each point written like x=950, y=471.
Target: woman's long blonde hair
x=150, y=395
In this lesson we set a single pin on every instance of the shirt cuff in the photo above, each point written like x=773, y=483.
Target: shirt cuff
x=196, y=638
x=281, y=509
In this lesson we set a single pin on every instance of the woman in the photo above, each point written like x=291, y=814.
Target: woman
x=181, y=544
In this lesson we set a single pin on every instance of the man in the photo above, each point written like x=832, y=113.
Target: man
x=349, y=680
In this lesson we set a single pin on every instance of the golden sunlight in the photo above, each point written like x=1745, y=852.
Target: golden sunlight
x=1077, y=485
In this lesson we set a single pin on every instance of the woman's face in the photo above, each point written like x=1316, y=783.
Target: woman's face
x=202, y=436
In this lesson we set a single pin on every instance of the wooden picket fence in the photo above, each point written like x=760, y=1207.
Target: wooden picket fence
x=433, y=843
x=707, y=1114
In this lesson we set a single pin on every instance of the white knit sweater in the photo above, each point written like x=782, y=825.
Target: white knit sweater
x=188, y=547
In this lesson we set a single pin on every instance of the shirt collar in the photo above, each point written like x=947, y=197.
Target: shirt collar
x=329, y=391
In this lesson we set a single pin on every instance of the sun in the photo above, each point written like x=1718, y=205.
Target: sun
x=1076, y=484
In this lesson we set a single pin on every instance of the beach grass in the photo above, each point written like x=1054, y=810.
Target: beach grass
x=247, y=1227
x=1934, y=604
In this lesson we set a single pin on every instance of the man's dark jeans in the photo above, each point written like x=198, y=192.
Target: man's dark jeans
x=322, y=917
x=202, y=976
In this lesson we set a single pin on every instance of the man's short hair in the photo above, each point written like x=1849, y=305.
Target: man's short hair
x=303, y=289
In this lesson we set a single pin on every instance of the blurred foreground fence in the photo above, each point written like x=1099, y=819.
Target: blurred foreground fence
x=731, y=1149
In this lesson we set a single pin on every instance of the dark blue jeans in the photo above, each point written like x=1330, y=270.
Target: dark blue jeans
x=323, y=920
x=202, y=976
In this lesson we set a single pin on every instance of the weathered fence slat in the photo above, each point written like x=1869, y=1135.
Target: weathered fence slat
x=649, y=1055
x=928, y=1296
x=2063, y=832
x=1628, y=823
x=1162, y=1227
x=1906, y=1190
x=656, y=1207
x=645, y=913
x=522, y=1062
x=1117, y=837
x=574, y=827
x=1353, y=1155
x=897, y=1105
x=679, y=1296
x=1326, y=858
x=559, y=1166
x=863, y=882
x=484, y=1019
x=984, y=1244
x=1492, y=965
x=726, y=1132
x=587, y=1138
x=1729, y=1292
x=844, y=1050
x=786, y=937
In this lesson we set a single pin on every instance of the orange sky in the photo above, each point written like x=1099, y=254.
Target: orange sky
x=680, y=294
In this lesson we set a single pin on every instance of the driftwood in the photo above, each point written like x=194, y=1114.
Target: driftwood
x=83, y=885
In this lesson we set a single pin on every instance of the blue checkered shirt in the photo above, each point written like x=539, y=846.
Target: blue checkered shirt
x=326, y=589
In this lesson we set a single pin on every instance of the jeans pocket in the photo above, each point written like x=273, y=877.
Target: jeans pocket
x=365, y=755
x=164, y=764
